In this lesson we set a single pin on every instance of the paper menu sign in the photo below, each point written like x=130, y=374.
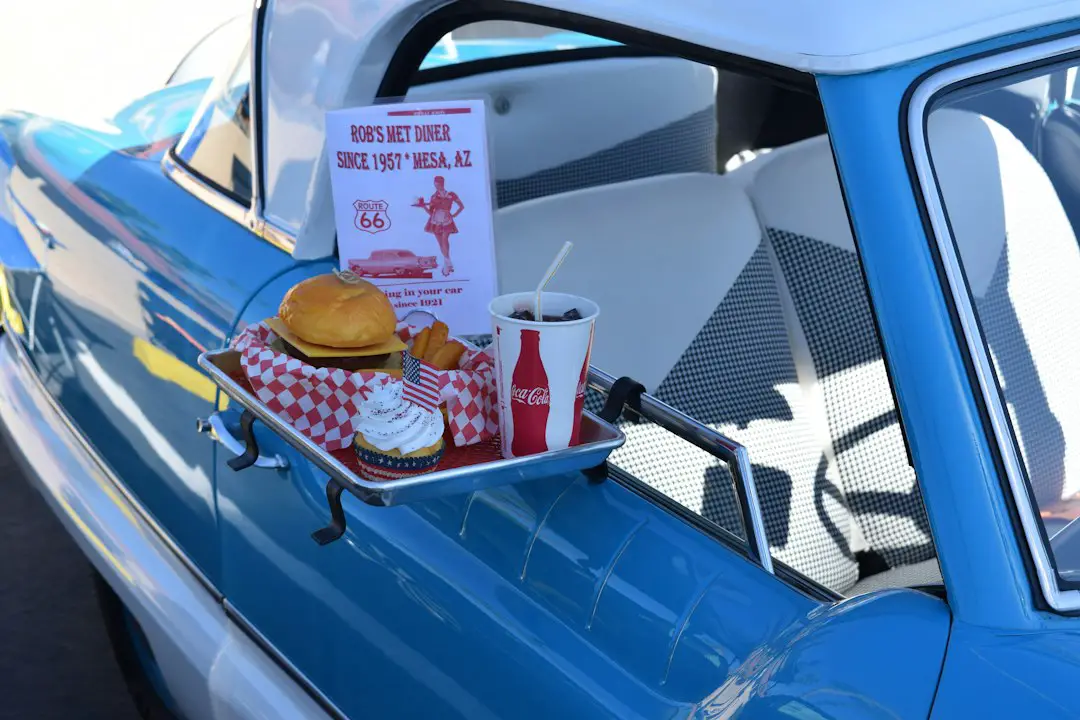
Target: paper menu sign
x=411, y=187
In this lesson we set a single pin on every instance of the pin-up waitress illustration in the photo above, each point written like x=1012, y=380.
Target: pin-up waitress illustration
x=440, y=209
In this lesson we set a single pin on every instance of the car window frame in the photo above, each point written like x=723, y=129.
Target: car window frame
x=1014, y=61
x=222, y=87
x=248, y=214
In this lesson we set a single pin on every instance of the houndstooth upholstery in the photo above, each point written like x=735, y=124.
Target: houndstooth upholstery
x=827, y=288
x=738, y=376
x=798, y=200
x=1021, y=261
x=686, y=145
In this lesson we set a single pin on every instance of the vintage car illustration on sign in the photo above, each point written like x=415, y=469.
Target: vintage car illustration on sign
x=402, y=263
x=853, y=490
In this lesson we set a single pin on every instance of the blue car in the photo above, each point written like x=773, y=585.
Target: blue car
x=836, y=244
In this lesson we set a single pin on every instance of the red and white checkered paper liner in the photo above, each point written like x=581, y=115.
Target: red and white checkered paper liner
x=323, y=404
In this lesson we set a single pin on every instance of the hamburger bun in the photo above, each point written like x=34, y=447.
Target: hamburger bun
x=326, y=310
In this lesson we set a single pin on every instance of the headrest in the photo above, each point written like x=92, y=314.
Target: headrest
x=797, y=190
x=601, y=103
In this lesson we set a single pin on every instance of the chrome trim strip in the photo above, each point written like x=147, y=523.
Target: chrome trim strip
x=144, y=515
x=227, y=206
x=258, y=12
x=1064, y=600
x=185, y=178
x=735, y=455
x=264, y=228
x=283, y=662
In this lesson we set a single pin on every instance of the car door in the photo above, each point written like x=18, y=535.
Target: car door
x=560, y=597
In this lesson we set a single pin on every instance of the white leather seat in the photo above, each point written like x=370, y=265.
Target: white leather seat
x=690, y=307
x=619, y=119
x=1022, y=263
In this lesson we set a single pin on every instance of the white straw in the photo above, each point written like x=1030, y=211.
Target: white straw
x=550, y=274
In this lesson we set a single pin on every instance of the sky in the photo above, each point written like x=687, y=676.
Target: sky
x=76, y=58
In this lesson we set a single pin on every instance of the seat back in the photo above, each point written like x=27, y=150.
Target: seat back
x=797, y=197
x=1022, y=264
x=1060, y=145
x=690, y=308
x=619, y=119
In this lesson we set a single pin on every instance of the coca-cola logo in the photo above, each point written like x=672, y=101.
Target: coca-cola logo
x=530, y=396
x=581, y=388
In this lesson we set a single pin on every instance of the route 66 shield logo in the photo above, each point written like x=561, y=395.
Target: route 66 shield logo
x=371, y=216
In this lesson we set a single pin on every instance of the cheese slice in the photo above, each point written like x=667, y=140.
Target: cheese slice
x=392, y=345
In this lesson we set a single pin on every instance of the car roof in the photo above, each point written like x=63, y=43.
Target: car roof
x=827, y=36
x=823, y=36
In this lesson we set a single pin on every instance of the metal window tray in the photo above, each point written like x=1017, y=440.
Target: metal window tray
x=599, y=439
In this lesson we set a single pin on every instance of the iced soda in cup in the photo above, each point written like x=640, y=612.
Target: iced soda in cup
x=541, y=367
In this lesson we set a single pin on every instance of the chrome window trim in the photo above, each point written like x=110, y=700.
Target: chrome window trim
x=194, y=183
x=249, y=216
x=258, y=14
x=921, y=101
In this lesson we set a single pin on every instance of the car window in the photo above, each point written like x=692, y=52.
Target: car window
x=488, y=40
x=768, y=336
x=217, y=144
x=1014, y=215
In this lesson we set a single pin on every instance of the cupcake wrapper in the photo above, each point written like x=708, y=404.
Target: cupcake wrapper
x=377, y=466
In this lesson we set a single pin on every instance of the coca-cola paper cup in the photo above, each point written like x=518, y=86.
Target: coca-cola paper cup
x=541, y=369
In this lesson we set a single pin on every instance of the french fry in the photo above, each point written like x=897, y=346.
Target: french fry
x=420, y=344
x=448, y=356
x=439, y=333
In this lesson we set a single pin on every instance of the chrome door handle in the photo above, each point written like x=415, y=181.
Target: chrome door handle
x=215, y=426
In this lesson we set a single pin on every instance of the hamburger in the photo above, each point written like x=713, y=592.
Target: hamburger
x=339, y=320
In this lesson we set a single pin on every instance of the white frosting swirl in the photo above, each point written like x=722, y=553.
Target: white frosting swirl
x=390, y=422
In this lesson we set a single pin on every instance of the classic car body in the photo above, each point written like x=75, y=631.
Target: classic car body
x=392, y=262
x=854, y=494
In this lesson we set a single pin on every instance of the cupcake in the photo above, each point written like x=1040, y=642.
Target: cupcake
x=397, y=438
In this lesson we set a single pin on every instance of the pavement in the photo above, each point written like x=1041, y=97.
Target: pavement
x=55, y=659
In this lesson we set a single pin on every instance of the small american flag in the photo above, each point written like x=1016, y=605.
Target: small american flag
x=421, y=382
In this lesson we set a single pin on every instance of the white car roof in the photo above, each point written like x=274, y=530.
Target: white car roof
x=322, y=55
x=828, y=36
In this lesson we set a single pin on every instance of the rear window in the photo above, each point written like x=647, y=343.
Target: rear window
x=488, y=40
